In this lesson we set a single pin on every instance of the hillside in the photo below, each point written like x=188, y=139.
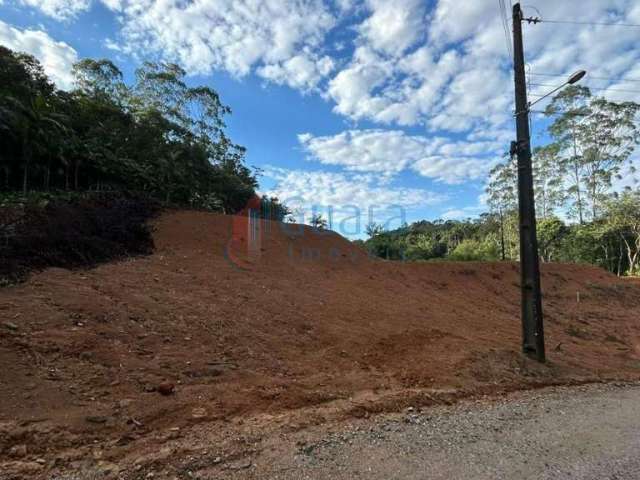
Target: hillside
x=290, y=338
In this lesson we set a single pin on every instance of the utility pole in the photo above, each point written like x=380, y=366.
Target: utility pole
x=532, y=321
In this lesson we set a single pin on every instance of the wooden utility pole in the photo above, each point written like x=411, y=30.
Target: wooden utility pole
x=532, y=320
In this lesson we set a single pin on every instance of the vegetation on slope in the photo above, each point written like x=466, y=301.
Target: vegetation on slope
x=158, y=136
x=578, y=176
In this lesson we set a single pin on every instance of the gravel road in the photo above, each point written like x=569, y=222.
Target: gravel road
x=590, y=432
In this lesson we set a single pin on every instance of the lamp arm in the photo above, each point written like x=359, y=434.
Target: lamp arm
x=546, y=95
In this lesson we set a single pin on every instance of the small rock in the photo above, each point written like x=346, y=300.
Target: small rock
x=96, y=419
x=107, y=468
x=133, y=421
x=125, y=440
x=166, y=388
x=18, y=451
x=240, y=465
x=198, y=413
x=86, y=356
x=41, y=461
x=11, y=326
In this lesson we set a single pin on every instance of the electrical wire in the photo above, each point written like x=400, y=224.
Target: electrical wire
x=505, y=26
x=590, y=76
x=591, y=88
x=607, y=24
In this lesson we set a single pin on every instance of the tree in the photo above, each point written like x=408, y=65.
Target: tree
x=608, y=136
x=502, y=196
x=623, y=216
x=475, y=250
x=157, y=136
x=372, y=229
x=596, y=138
x=549, y=172
x=34, y=124
x=318, y=222
x=568, y=107
x=550, y=232
x=99, y=79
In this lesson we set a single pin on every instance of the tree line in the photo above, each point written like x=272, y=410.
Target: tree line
x=587, y=197
x=157, y=135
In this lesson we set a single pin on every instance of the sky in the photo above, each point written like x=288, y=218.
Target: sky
x=370, y=110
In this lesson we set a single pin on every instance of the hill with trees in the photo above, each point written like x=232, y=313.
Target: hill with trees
x=587, y=199
x=157, y=136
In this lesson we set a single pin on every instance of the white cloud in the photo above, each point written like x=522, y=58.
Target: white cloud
x=280, y=39
x=302, y=71
x=459, y=79
x=57, y=58
x=59, y=9
x=462, y=213
x=353, y=199
x=391, y=151
x=394, y=26
x=114, y=5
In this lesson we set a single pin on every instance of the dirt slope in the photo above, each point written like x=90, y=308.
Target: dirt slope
x=311, y=325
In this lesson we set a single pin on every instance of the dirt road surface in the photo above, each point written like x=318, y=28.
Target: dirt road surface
x=590, y=432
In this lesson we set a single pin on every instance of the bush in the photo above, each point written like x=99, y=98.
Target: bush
x=71, y=233
x=474, y=250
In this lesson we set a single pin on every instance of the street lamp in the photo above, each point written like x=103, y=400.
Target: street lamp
x=574, y=78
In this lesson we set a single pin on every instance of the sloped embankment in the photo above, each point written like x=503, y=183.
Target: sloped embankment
x=306, y=322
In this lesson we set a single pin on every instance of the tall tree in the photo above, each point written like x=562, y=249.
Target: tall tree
x=568, y=108
x=623, y=215
x=595, y=138
x=608, y=136
x=502, y=196
x=549, y=172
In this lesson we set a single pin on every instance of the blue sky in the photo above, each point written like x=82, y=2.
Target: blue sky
x=376, y=104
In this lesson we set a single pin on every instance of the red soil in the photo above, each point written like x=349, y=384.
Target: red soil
x=333, y=333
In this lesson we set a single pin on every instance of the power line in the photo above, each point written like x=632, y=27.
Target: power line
x=590, y=76
x=505, y=26
x=591, y=88
x=607, y=24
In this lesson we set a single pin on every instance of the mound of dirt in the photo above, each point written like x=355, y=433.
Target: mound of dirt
x=227, y=324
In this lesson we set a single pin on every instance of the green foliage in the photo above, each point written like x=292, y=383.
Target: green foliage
x=318, y=221
x=594, y=139
x=475, y=250
x=157, y=136
x=273, y=209
x=550, y=234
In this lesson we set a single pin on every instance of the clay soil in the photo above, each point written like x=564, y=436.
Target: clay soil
x=309, y=330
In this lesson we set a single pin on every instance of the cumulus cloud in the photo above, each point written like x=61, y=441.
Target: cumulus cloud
x=389, y=152
x=280, y=40
x=456, y=77
x=114, y=5
x=302, y=71
x=395, y=26
x=351, y=199
x=59, y=9
x=446, y=68
x=57, y=58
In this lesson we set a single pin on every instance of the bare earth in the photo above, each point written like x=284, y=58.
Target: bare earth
x=311, y=333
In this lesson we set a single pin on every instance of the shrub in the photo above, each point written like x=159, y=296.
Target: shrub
x=474, y=250
x=70, y=233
